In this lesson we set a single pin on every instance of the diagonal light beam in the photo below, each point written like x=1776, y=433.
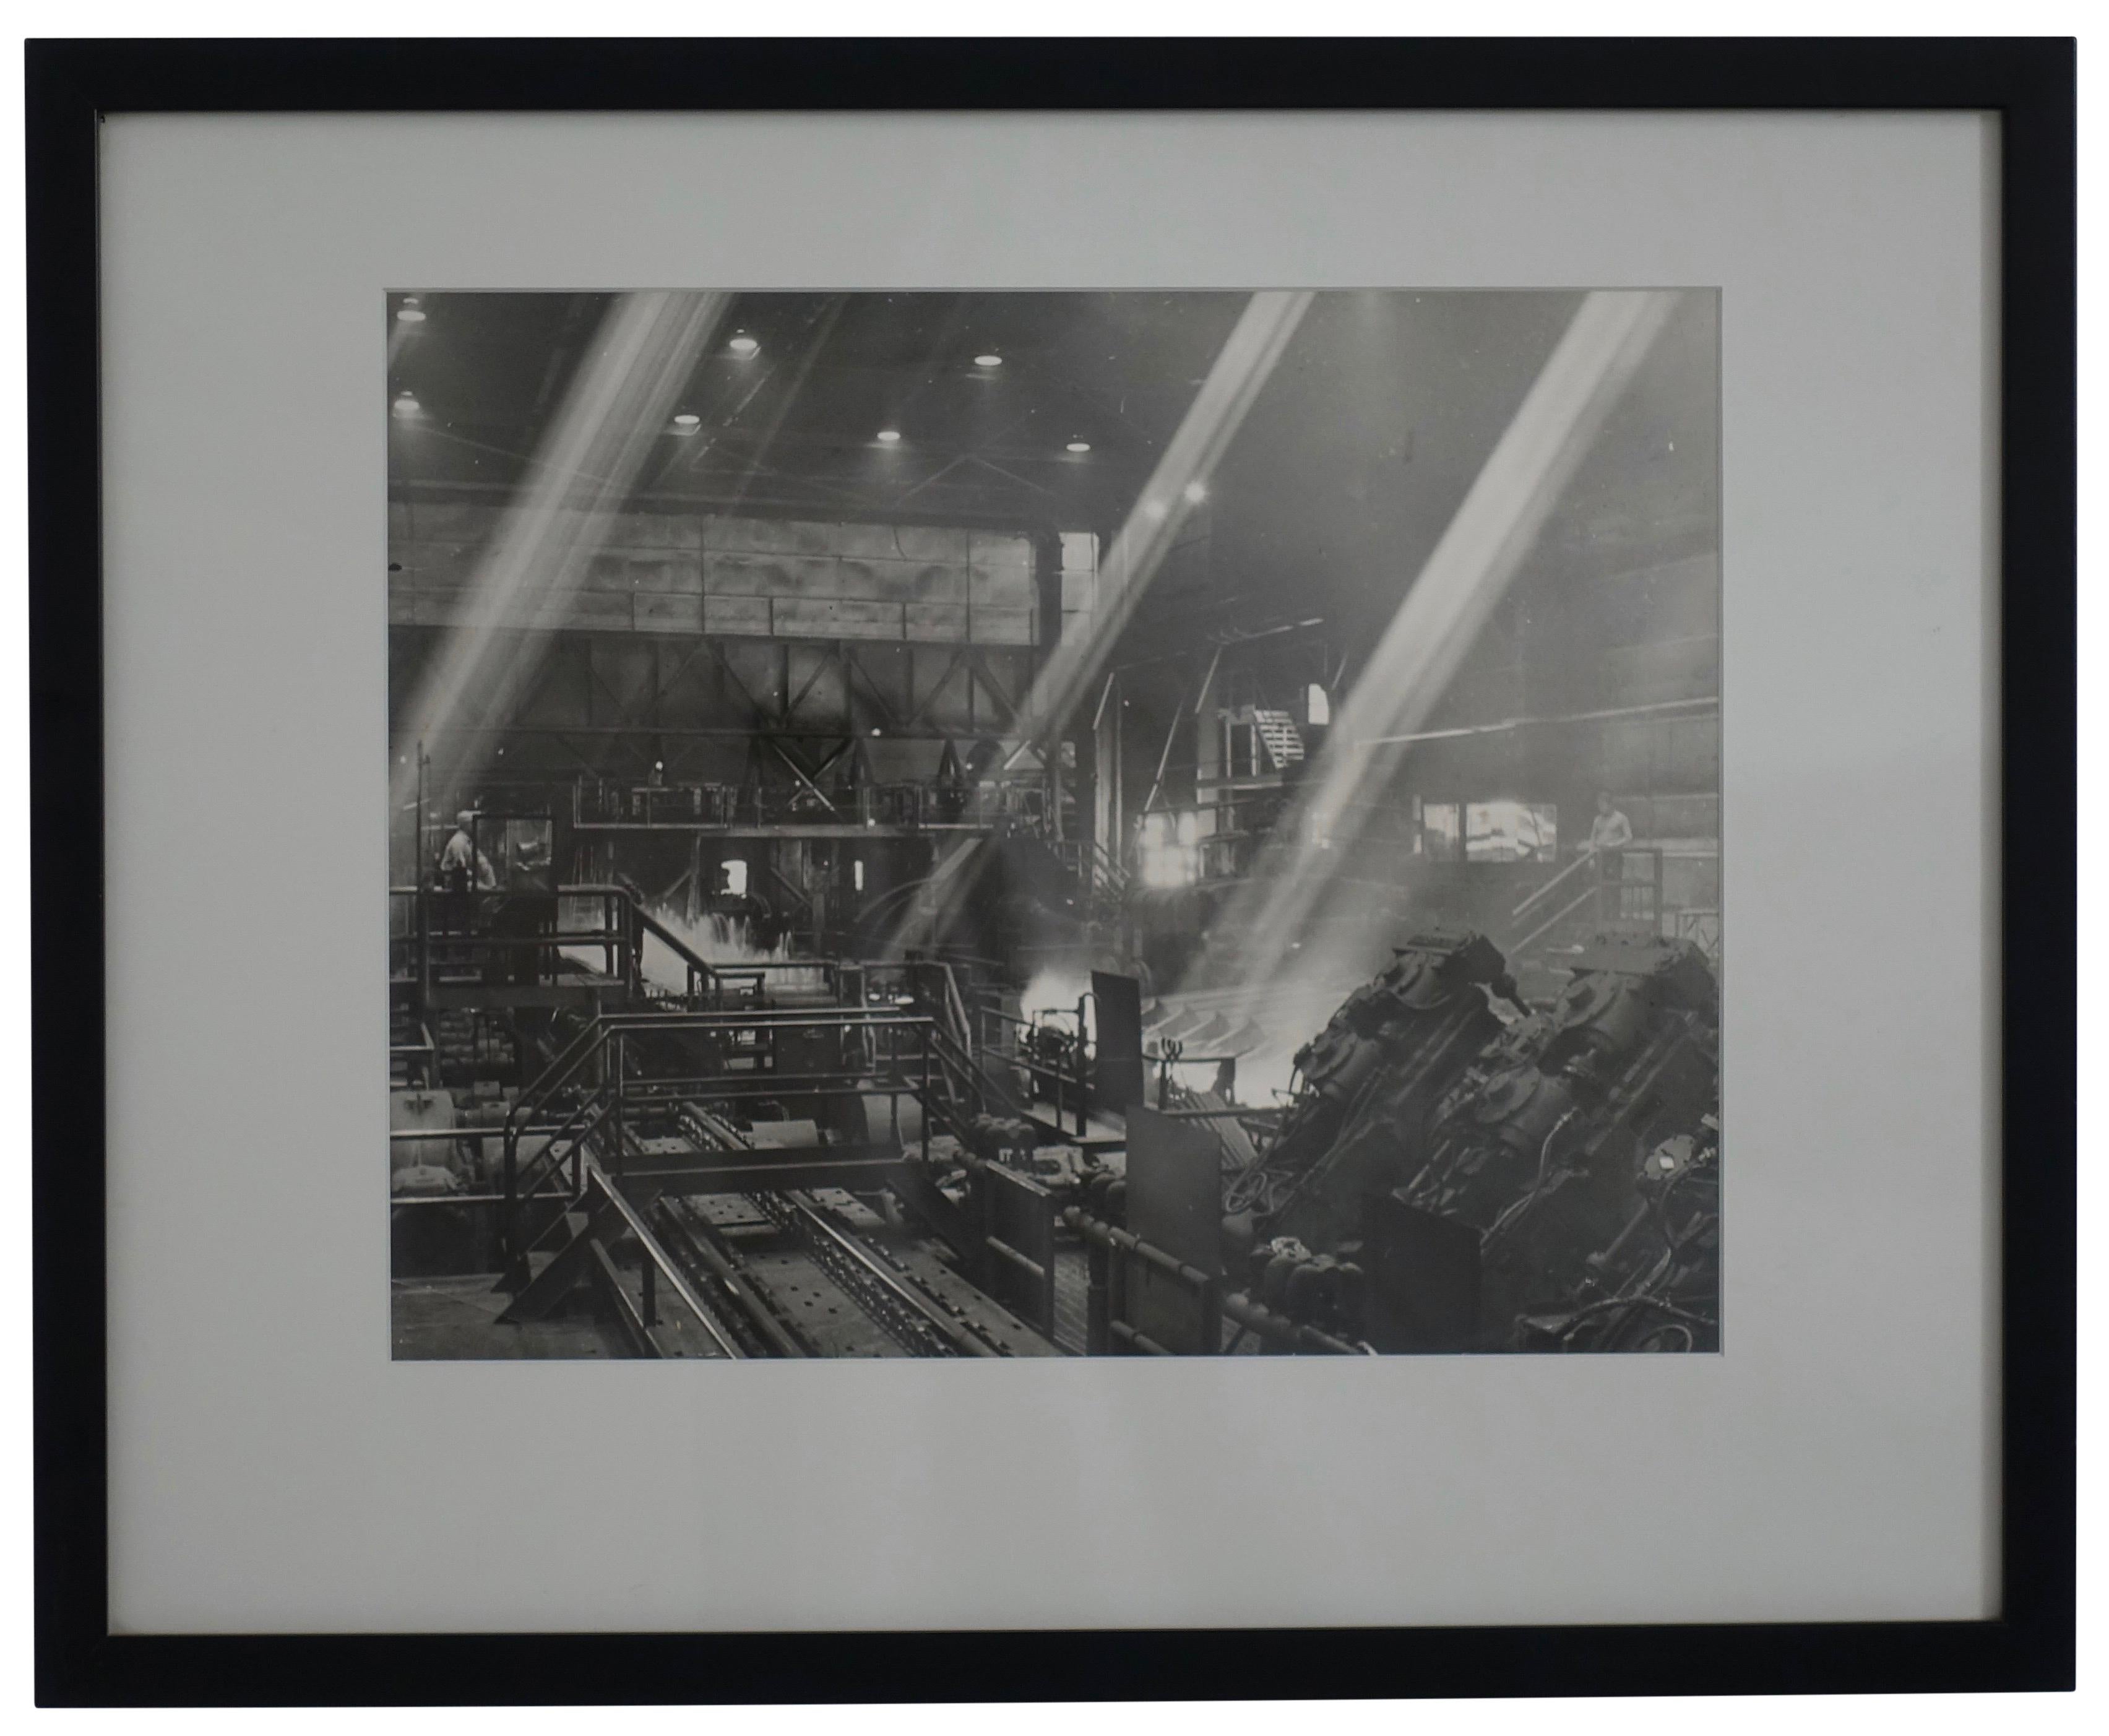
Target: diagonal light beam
x=586, y=465
x=1066, y=679
x=1443, y=615
x=1241, y=368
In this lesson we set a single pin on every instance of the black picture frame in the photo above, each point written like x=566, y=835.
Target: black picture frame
x=2029, y=84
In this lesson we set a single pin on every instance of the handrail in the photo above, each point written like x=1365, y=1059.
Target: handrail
x=1515, y=947
x=655, y=1251
x=951, y=1091
x=565, y=1066
x=952, y=1059
x=953, y=1003
x=698, y=965
x=1581, y=860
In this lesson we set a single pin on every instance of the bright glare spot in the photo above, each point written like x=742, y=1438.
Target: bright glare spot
x=1197, y=492
x=688, y=419
x=1054, y=989
x=735, y=878
x=988, y=361
x=889, y=437
x=743, y=346
x=405, y=404
x=856, y=875
x=1080, y=445
x=1170, y=857
x=1318, y=708
x=410, y=313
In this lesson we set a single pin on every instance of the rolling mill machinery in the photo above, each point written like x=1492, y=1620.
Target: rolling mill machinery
x=1455, y=1171
x=831, y=1158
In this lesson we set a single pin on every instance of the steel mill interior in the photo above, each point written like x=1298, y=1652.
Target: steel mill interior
x=993, y=824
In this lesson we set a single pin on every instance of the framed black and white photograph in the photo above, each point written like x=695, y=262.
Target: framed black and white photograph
x=1173, y=870
x=876, y=870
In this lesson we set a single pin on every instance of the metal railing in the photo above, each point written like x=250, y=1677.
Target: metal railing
x=598, y=1087
x=439, y=939
x=1700, y=927
x=1615, y=890
x=1113, y=1252
x=907, y=806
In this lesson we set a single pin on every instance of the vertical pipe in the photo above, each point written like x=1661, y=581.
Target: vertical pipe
x=1097, y=1297
x=1083, y=1076
x=419, y=844
x=621, y=1072
x=1116, y=1297
x=508, y=1229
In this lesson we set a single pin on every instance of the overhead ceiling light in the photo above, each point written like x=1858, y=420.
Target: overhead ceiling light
x=1080, y=445
x=889, y=437
x=989, y=360
x=688, y=422
x=1197, y=492
x=410, y=313
x=405, y=404
x=743, y=346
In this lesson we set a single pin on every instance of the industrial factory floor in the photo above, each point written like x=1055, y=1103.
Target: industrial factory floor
x=455, y=1319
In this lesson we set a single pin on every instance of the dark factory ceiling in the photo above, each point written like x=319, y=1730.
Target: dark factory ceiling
x=1350, y=463
x=793, y=425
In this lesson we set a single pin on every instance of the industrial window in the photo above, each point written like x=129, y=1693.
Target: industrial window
x=1436, y=833
x=735, y=879
x=856, y=875
x=1318, y=708
x=1510, y=831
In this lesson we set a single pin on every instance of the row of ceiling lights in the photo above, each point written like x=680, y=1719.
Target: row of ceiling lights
x=687, y=421
x=406, y=405
x=747, y=347
x=743, y=345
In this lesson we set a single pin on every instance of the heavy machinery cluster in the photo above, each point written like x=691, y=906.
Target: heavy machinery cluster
x=902, y=1158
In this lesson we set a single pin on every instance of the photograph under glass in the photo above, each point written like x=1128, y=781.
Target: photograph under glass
x=1014, y=823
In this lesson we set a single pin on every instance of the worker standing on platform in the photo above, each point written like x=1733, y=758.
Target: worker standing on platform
x=463, y=871
x=1609, y=833
x=1610, y=829
x=462, y=865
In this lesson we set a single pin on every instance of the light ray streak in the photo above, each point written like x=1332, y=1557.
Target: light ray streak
x=1064, y=681
x=1441, y=617
x=1241, y=368
x=588, y=462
